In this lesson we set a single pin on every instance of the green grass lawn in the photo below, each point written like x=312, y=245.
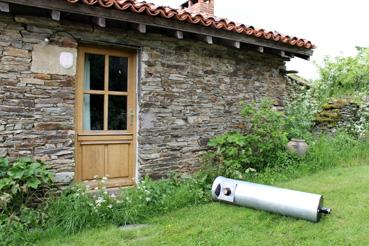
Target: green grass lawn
x=346, y=191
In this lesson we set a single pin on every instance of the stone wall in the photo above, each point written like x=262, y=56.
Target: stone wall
x=295, y=87
x=189, y=92
x=343, y=114
x=36, y=110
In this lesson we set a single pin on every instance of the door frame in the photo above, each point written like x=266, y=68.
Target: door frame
x=110, y=136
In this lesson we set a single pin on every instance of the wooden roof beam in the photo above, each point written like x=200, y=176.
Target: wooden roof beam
x=209, y=39
x=126, y=16
x=55, y=15
x=236, y=44
x=4, y=7
x=178, y=34
x=286, y=54
x=204, y=38
x=230, y=43
x=141, y=28
x=100, y=21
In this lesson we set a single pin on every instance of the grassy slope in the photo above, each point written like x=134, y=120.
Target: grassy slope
x=345, y=189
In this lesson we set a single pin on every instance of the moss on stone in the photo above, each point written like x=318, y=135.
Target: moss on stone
x=328, y=116
x=337, y=104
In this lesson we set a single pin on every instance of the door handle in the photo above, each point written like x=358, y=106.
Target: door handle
x=131, y=117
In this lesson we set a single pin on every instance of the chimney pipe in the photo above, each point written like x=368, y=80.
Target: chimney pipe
x=203, y=7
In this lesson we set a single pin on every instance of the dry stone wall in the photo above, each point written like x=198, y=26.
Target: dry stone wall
x=296, y=87
x=189, y=92
x=345, y=115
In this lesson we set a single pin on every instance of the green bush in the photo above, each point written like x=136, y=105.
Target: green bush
x=22, y=183
x=343, y=76
x=260, y=144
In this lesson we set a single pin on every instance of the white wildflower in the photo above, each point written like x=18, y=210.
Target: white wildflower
x=250, y=170
x=110, y=206
x=99, y=201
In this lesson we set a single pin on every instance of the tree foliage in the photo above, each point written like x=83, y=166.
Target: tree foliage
x=343, y=76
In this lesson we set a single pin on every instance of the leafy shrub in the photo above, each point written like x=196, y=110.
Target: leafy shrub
x=232, y=154
x=260, y=144
x=343, y=76
x=22, y=183
x=265, y=127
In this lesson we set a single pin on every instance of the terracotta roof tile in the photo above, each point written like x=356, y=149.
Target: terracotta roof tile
x=182, y=15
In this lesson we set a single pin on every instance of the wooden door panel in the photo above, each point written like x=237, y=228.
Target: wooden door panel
x=105, y=128
x=93, y=160
x=118, y=160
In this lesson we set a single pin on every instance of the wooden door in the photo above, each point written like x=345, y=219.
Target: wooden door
x=105, y=116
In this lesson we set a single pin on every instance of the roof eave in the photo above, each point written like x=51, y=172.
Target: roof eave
x=177, y=26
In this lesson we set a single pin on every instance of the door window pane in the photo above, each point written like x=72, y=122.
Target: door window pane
x=118, y=67
x=117, y=117
x=94, y=72
x=93, y=112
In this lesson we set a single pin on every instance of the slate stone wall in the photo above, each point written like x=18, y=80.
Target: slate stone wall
x=189, y=92
x=296, y=87
x=36, y=110
x=343, y=114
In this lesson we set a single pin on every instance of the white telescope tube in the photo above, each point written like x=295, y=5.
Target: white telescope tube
x=287, y=202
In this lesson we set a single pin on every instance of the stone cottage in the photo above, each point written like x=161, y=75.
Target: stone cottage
x=121, y=88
